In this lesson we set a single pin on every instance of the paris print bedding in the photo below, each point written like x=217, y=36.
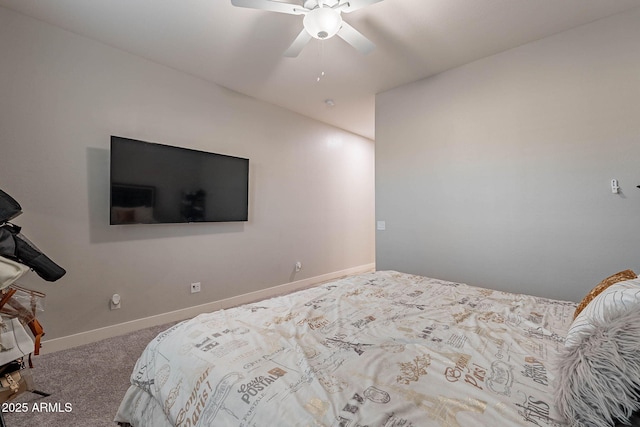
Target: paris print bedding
x=382, y=349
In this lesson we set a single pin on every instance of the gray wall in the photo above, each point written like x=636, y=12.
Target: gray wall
x=498, y=173
x=311, y=185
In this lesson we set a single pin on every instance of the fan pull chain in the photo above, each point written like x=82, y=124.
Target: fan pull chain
x=322, y=73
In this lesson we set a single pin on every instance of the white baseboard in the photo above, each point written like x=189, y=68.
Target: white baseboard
x=63, y=343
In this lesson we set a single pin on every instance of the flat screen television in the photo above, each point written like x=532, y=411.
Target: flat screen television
x=159, y=184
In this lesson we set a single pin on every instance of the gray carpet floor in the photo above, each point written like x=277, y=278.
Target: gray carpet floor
x=86, y=383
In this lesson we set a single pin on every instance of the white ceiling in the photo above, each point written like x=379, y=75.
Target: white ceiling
x=241, y=48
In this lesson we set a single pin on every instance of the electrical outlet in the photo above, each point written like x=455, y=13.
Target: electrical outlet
x=298, y=266
x=195, y=287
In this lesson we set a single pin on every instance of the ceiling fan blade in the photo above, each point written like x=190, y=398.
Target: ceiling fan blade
x=272, y=6
x=298, y=44
x=356, y=39
x=348, y=6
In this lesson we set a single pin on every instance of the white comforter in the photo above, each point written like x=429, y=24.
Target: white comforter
x=380, y=349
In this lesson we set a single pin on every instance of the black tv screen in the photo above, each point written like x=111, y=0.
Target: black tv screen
x=159, y=184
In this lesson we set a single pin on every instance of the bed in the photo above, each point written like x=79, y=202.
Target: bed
x=383, y=349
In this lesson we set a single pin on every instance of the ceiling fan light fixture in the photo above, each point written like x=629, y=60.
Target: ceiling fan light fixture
x=322, y=23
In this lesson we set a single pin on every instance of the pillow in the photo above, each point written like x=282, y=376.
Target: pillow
x=598, y=380
x=138, y=214
x=122, y=215
x=143, y=214
x=615, y=301
x=618, y=277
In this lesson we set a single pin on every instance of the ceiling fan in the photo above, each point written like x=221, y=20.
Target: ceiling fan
x=322, y=20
